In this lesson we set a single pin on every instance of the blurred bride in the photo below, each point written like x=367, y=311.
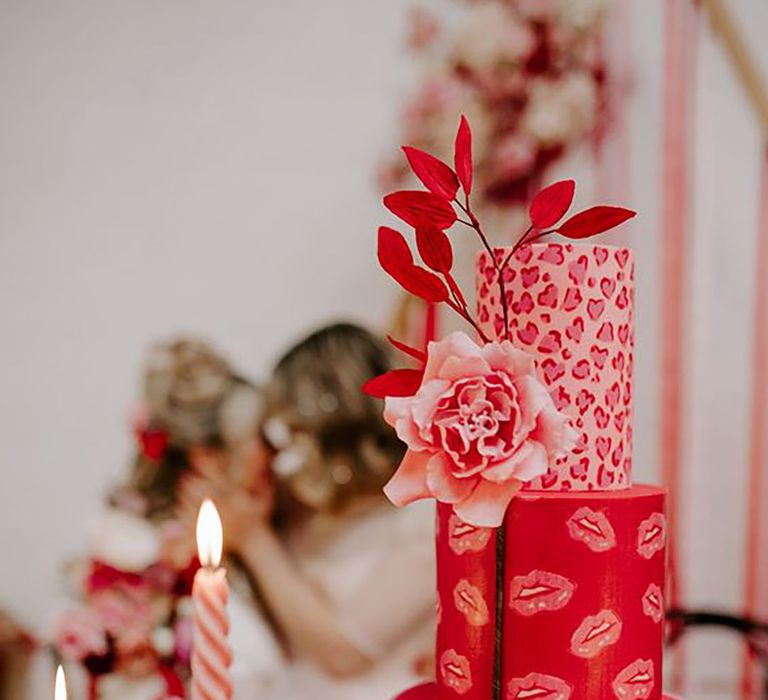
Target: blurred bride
x=346, y=582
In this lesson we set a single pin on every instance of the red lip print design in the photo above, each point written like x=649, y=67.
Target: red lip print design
x=572, y=299
x=601, y=255
x=653, y=603
x=575, y=330
x=552, y=370
x=577, y=270
x=528, y=334
x=538, y=686
x=607, y=287
x=539, y=591
x=548, y=297
x=596, y=633
x=553, y=254
x=455, y=671
x=595, y=308
x=635, y=682
x=551, y=342
x=651, y=535
x=463, y=537
x=469, y=601
x=593, y=529
x=529, y=276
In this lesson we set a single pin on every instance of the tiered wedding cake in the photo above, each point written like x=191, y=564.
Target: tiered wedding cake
x=569, y=604
x=550, y=562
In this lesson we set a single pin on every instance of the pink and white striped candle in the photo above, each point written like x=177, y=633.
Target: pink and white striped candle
x=211, y=656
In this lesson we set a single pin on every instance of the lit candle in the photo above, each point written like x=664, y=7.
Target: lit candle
x=60, y=689
x=211, y=656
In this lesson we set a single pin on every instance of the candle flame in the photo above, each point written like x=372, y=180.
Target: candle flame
x=210, y=536
x=60, y=692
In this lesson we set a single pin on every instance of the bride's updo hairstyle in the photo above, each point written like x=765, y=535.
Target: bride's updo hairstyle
x=330, y=439
x=192, y=398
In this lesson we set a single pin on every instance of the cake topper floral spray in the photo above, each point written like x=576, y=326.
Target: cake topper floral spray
x=477, y=421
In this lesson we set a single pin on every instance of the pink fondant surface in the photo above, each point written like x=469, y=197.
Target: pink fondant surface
x=571, y=305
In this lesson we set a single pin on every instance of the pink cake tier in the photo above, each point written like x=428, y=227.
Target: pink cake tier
x=566, y=600
x=572, y=307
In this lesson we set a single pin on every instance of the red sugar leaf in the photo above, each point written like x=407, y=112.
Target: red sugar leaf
x=455, y=289
x=424, y=284
x=437, y=177
x=550, y=205
x=396, y=259
x=421, y=208
x=396, y=382
x=435, y=249
x=415, y=353
x=462, y=156
x=393, y=251
x=595, y=220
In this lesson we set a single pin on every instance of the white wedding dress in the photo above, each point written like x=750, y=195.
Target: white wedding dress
x=379, y=571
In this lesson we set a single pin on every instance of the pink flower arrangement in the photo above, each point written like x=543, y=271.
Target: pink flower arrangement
x=130, y=623
x=477, y=421
x=480, y=425
x=530, y=75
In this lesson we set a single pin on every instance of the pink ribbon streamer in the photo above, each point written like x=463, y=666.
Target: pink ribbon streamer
x=756, y=574
x=680, y=39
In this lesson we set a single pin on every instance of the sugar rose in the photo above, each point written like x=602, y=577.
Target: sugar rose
x=479, y=426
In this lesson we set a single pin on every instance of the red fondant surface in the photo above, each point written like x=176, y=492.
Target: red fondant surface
x=428, y=691
x=572, y=307
x=582, y=615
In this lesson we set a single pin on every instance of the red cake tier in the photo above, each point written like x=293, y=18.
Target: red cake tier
x=581, y=607
x=428, y=691
x=571, y=305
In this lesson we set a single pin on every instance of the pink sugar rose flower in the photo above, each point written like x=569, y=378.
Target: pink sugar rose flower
x=479, y=426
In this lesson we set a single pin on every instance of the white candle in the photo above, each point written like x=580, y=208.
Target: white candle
x=211, y=656
x=60, y=689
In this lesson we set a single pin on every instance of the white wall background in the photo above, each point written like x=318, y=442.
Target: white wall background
x=207, y=167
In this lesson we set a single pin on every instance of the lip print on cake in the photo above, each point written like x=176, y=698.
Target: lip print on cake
x=651, y=535
x=596, y=633
x=470, y=602
x=463, y=537
x=538, y=686
x=593, y=529
x=455, y=671
x=635, y=682
x=539, y=591
x=653, y=603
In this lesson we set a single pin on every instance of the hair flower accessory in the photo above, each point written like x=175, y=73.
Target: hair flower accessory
x=479, y=426
x=477, y=421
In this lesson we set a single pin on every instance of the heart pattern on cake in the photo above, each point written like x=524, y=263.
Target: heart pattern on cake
x=571, y=306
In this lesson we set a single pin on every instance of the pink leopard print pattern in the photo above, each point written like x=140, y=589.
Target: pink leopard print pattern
x=572, y=306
